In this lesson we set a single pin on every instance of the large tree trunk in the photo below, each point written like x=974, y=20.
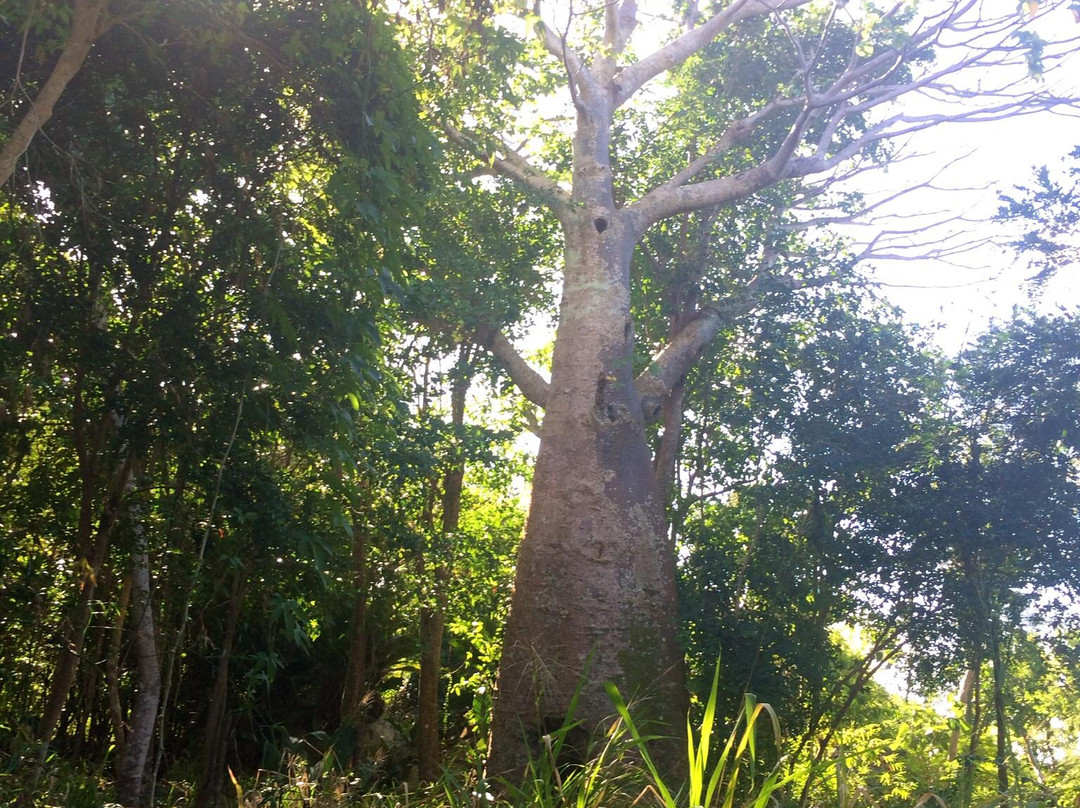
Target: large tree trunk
x=131, y=768
x=595, y=597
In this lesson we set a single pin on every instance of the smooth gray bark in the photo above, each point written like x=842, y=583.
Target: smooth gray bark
x=131, y=770
x=594, y=598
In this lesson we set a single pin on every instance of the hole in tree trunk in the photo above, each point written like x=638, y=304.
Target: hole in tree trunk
x=601, y=224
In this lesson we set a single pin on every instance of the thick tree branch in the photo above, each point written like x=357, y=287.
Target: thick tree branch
x=620, y=19
x=513, y=166
x=669, y=366
x=577, y=74
x=667, y=369
x=666, y=462
x=739, y=129
x=670, y=199
x=531, y=384
x=631, y=78
x=87, y=24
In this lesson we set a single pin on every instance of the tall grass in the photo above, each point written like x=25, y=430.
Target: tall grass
x=719, y=781
x=618, y=772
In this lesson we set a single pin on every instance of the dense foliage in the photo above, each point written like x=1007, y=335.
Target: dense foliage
x=263, y=486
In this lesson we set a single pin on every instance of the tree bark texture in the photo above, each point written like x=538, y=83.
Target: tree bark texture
x=131, y=769
x=428, y=749
x=355, y=691
x=595, y=597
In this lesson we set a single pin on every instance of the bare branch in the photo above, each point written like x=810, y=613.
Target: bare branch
x=731, y=136
x=866, y=85
x=88, y=22
x=531, y=384
x=577, y=74
x=509, y=163
x=670, y=199
x=554, y=44
x=818, y=218
x=901, y=125
x=631, y=78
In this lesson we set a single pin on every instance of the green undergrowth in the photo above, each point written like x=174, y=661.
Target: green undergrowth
x=620, y=773
x=745, y=768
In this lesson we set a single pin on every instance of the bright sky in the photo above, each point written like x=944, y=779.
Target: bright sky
x=969, y=164
x=967, y=293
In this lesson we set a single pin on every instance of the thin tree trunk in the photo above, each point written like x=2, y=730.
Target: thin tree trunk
x=966, y=785
x=86, y=690
x=112, y=667
x=1002, y=756
x=131, y=769
x=740, y=590
x=1033, y=760
x=433, y=618
x=173, y=657
x=87, y=24
x=966, y=689
x=856, y=680
x=355, y=691
x=216, y=736
x=76, y=625
x=428, y=750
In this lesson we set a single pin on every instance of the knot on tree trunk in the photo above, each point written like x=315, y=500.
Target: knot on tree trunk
x=608, y=409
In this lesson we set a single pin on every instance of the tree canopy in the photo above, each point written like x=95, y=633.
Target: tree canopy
x=273, y=282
